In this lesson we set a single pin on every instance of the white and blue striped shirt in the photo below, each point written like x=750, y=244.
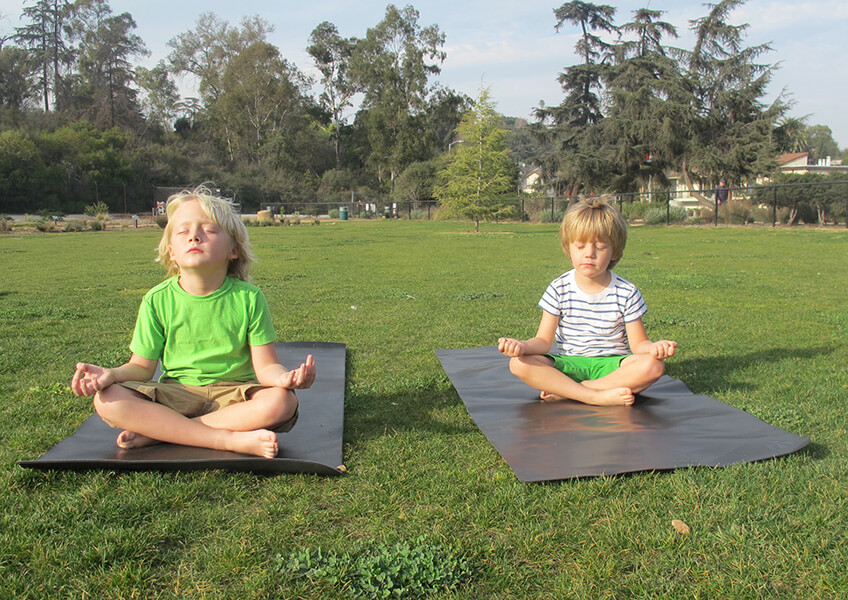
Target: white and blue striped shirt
x=592, y=324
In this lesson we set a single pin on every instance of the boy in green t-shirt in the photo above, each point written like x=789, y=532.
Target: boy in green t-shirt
x=222, y=386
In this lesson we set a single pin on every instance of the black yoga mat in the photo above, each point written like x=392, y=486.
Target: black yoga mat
x=668, y=427
x=314, y=445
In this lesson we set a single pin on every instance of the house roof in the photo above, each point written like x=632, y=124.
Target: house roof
x=787, y=158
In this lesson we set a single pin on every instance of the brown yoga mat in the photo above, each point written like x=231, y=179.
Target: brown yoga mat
x=667, y=428
x=314, y=445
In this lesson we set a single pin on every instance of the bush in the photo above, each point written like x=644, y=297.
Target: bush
x=75, y=225
x=45, y=225
x=546, y=217
x=4, y=224
x=657, y=215
x=161, y=221
x=98, y=208
x=334, y=213
x=634, y=210
x=98, y=225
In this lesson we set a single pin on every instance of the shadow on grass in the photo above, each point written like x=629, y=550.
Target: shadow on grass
x=431, y=410
x=713, y=374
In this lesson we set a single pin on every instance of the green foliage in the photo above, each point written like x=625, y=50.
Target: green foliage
x=96, y=209
x=75, y=225
x=402, y=570
x=656, y=215
x=479, y=172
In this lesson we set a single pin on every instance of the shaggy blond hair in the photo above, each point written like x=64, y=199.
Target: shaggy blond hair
x=594, y=218
x=223, y=213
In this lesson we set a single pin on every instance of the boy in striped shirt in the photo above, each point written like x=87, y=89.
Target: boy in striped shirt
x=591, y=345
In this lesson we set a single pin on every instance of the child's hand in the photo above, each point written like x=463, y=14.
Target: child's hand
x=90, y=379
x=300, y=378
x=511, y=347
x=663, y=349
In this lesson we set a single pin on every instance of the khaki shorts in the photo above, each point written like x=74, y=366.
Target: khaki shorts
x=197, y=400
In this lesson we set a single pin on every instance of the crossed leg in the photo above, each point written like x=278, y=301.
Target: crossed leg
x=636, y=373
x=239, y=427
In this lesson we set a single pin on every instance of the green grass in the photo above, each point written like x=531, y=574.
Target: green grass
x=760, y=315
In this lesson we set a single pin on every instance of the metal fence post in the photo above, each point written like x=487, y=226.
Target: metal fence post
x=715, y=210
x=774, y=208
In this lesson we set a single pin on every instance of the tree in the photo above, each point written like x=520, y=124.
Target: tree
x=480, y=171
x=16, y=68
x=415, y=184
x=790, y=135
x=45, y=35
x=732, y=135
x=648, y=105
x=570, y=158
x=391, y=66
x=821, y=143
x=258, y=96
x=161, y=101
x=107, y=95
x=206, y=51
x=332, y=54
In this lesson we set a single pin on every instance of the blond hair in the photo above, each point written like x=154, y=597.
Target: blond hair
x=223, y=213
x=594, y=218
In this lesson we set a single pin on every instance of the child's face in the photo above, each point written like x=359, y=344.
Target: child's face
x=197, y=242
x=591, y=258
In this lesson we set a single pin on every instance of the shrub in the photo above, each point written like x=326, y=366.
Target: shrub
x=98, y=225
x=546, y=217
x=634, y=210
x=75, y=225
x=334, y=213
x=657, y=215
x=98, y=208
x=4, y=224
x=45, y=225
x=161, y=221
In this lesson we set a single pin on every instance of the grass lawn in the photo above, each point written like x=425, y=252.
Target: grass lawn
x=760, y=315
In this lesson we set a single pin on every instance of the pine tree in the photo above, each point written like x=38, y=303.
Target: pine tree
x=479, y=172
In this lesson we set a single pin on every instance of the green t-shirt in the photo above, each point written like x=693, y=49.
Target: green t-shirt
x=203, y=339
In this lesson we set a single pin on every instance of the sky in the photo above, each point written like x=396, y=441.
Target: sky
x=512, y=48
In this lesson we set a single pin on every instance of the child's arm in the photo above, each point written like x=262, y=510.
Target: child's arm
x=90, y=379
x=269, y=371
x=637, y=337
x=540, y=344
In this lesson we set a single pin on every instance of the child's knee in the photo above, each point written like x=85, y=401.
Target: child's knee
x=281, y=405
x=517, y=366
x=654, y=367
x=105, y=402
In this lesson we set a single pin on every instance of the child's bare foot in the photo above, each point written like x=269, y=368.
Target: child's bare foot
x=614, y=397
x=130, y=439
x=260, y=443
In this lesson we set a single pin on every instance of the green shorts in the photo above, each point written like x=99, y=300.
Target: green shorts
x=586, y=368
x=197, y=400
